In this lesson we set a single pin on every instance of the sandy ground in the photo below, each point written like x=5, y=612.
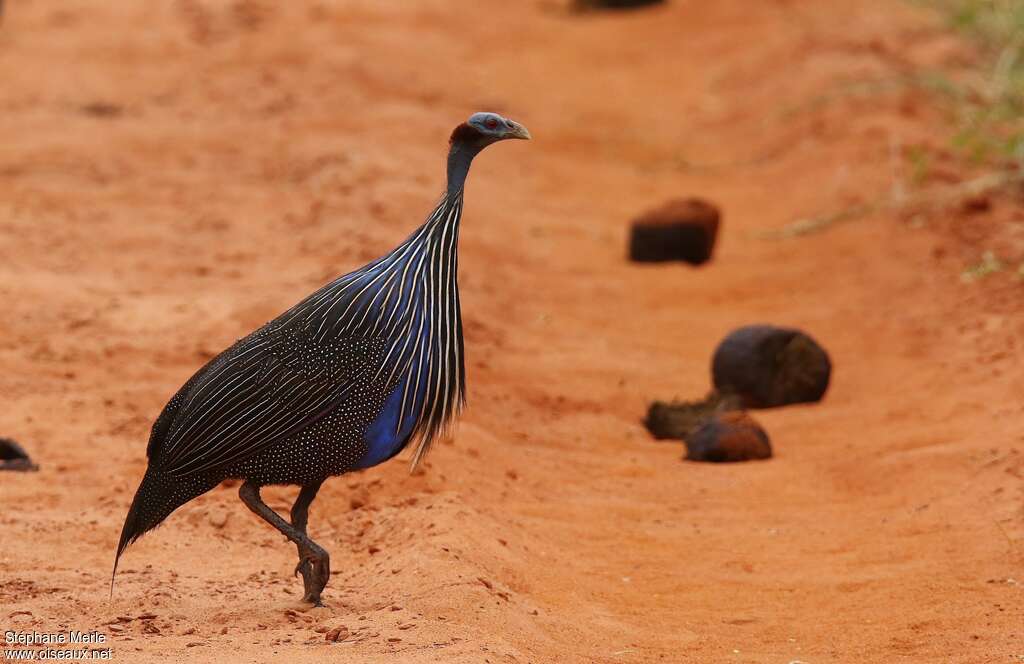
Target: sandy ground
x=173, y=174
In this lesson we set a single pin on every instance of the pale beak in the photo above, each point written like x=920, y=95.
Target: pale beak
x=519, y=131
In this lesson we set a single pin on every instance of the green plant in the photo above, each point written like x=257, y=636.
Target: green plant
x=989, y=106
x=986, y=110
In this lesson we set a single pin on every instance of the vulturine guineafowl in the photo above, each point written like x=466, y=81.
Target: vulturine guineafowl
x=342, y=381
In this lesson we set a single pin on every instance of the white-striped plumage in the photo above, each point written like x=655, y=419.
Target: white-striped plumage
x=401, y=313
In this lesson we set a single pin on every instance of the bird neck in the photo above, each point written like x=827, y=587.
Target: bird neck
x=459, y=159
x=447, y=214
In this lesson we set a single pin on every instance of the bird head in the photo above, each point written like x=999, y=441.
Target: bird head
x=472, y=136
x=482, y=129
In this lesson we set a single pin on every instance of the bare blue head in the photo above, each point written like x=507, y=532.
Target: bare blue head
x=472, y=136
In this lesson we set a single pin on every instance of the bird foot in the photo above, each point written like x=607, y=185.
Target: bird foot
x=315, y=567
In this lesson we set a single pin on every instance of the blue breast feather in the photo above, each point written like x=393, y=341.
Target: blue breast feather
x=383, y=438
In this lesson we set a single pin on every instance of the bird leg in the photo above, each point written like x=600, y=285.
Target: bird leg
x=300, y=516
x=319, y=561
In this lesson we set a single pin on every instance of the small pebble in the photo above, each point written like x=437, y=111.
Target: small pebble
x=339, y=633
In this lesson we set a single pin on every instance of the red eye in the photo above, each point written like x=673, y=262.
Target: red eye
x=491, y=123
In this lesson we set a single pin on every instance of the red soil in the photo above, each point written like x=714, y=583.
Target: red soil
x=174, y=174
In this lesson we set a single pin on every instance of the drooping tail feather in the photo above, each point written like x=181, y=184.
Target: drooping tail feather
x=157, y=496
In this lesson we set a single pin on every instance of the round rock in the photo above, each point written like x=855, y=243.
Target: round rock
x=14, y=457
x=681, y=230
x=728, y=437
x=767, y=366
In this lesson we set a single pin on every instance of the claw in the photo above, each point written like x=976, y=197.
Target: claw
x=302, y=562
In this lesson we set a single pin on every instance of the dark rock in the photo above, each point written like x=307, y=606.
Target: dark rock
x=728, y=437
x=677, y=419
x=13, y=457
x=680, y=230
x=767, y=366
x=100, y=109
x=615, y=4
x=976, y=204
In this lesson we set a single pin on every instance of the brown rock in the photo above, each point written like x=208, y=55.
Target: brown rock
x=681, y=230
x=976, y=204
x=676, y=419
x=339, y=633
x=727, y=437
x=767, y=366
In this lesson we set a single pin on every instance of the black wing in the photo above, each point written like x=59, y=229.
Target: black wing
x=265, y=388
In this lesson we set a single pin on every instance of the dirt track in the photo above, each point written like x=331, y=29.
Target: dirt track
x=172, y=178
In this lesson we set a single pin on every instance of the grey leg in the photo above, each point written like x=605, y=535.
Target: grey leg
x=319, y=562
